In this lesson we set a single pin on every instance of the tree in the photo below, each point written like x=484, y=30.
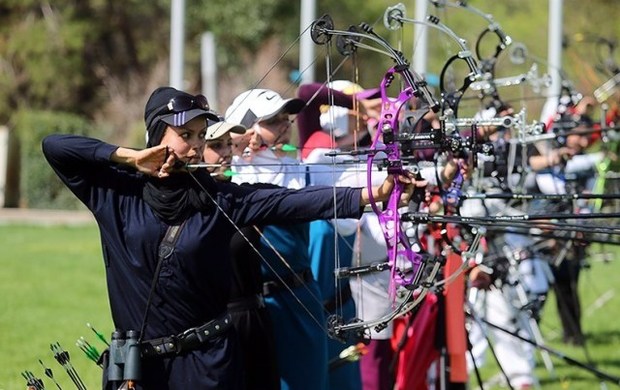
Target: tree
x=99, y=59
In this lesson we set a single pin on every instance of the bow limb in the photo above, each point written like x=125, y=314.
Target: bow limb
x=487, y=64
x=493, y=26
x=394, y=18
x=322, y=30
x=409, y=302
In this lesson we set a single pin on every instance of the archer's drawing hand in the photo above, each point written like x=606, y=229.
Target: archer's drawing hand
x=246, y=145
x=157, y=161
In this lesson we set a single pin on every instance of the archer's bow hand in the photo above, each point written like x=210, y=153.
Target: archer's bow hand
x=417, y=185
x=383, y=192
x=480, y=278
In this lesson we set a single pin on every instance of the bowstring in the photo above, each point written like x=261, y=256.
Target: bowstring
x=337, y=261
x=339, y=306
x=263, y=237
x=263, y=259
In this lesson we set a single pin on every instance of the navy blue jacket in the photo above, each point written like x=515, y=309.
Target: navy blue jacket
x=194, y=283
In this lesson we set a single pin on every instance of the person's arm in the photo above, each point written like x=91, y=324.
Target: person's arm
x=86, y=165
x=251, y=204
x=552, y=158
x=381, y=193
x=83, y=164
x=72, y=154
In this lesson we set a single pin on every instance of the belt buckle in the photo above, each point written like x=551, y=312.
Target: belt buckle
x=181, y=338
x=187, y=332
x=172, y=345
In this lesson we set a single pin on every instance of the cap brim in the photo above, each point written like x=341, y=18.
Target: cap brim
x=369, y=93
x=217, y=130
x=293, y=106
x=181, y=118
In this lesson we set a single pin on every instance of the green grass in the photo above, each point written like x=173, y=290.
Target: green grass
x=600, y=299
x=52, y=283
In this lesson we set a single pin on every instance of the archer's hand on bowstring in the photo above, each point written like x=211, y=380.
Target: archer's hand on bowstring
x=381, y=193
x=158, y=161
x=248, y=144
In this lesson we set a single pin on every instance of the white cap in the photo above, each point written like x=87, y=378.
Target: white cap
x=218, y=129
x=335, y=120
x=260, y=104
x=345, y=86
x=488, y=113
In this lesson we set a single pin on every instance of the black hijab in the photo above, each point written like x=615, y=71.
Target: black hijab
x=176, y=198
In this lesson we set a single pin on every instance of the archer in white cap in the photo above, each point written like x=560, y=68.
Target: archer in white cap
x=259, y=154
x=266, y=115
x=218, y=147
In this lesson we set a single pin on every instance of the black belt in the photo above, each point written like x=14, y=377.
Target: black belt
x=247, y=303
x=291, y=281
x=187, y=341
x=342, y=296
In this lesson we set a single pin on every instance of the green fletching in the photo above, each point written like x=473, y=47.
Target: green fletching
x=288, y=148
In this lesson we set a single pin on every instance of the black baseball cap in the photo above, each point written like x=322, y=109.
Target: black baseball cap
x=173, y=107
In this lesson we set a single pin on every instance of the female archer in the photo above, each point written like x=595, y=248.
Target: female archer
x=176, y=302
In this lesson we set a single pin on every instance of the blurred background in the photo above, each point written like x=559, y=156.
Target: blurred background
x=88, y=66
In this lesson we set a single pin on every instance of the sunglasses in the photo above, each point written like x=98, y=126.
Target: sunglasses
x=185, y=103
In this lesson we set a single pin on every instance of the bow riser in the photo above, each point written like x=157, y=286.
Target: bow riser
x=398, y=245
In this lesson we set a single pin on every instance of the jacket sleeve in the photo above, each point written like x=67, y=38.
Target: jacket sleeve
x=83, y=164
x=256, y=205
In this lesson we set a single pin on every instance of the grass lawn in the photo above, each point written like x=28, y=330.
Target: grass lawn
x=52, y=283
x=600, y=300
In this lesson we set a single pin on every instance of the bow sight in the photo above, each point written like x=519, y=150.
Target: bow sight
x=489, y=84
